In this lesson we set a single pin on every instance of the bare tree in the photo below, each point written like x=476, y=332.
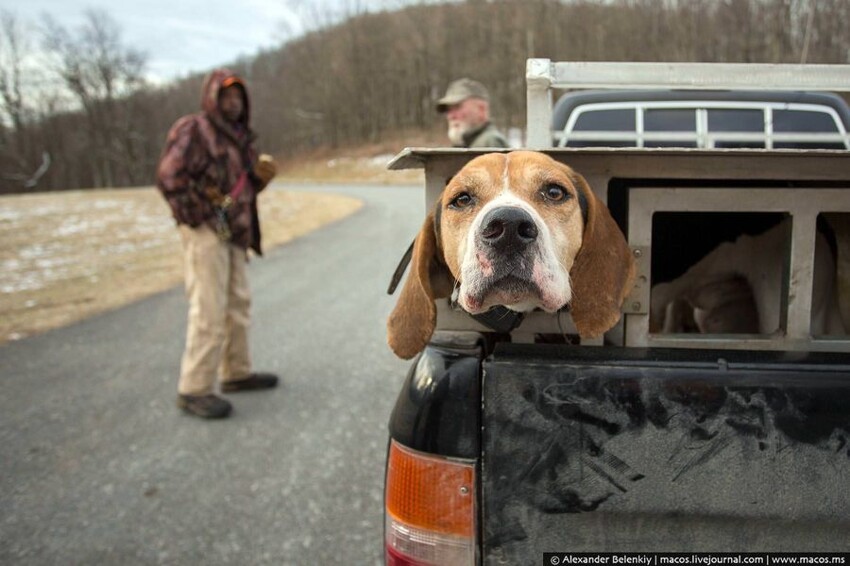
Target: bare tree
x=99, y=71
x=20, y=168
x=12, y=50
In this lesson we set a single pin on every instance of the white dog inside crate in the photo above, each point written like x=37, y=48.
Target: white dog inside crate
x=738, y=288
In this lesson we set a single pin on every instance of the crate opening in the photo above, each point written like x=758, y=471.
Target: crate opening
x=719, y=273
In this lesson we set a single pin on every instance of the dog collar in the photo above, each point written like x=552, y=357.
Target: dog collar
x=500, y=319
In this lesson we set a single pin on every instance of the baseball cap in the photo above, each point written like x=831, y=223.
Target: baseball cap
x=460, y=90
x=232, y=80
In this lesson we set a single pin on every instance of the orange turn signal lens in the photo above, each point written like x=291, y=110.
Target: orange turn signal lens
x=431, y=493
x=430, y=508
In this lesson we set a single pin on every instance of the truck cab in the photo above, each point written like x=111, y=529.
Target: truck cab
x=509, y=442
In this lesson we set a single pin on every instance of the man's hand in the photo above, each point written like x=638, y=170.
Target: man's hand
x=265, y=169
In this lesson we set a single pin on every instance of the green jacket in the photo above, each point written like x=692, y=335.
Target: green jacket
x=487, y=135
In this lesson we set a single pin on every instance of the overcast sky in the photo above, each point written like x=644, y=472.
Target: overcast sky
x=183, y=36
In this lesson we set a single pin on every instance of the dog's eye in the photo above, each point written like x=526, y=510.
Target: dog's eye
x=461, y=201
x=555, y=193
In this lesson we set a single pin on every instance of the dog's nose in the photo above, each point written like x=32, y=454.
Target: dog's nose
x=508, y=228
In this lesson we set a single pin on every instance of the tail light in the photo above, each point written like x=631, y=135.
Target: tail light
x=430, y=509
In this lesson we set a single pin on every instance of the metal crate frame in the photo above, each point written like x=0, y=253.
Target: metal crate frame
x=803, y=205
x=600, y=166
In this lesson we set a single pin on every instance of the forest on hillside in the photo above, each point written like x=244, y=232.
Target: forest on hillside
x=372, y=76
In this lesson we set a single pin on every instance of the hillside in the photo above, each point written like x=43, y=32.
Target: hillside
x=374, y=77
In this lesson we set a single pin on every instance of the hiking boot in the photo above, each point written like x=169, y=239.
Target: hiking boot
x=204, y=406
x=252, y=382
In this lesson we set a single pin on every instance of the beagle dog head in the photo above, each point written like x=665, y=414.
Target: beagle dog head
x=519, y=230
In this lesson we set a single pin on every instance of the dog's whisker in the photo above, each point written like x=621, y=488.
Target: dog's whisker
x=563, y=265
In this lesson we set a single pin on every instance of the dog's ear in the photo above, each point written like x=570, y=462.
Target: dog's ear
x=604, y=269
x=414, y=317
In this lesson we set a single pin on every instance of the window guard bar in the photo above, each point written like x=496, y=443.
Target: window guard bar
x=542, y=75
x=710, y=138
x=703, y=137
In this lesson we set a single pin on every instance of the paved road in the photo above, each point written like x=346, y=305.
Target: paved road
x=97, y=465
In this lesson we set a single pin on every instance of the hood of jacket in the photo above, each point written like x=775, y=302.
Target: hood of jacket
x=213, y=84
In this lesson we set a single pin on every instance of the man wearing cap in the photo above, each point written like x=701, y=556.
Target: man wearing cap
x=467, y=109
x=210, y=173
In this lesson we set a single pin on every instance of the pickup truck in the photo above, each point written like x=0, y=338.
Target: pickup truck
x=508, y=443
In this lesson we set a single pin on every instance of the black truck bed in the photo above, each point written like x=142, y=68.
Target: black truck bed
x=644, y=449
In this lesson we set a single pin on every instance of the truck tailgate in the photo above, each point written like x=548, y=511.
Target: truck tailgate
x=592, y=449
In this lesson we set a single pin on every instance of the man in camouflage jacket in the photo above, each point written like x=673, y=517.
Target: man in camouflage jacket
x=210, y=174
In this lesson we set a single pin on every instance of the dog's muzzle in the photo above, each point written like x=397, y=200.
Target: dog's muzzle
x=505, y=262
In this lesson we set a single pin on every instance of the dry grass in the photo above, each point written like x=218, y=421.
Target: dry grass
x=66, y=256
x=350, y=170
x=363, y=163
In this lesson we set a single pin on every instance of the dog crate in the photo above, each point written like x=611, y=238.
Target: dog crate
x=645, y=187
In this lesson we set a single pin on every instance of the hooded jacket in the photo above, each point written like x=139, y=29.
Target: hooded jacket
x=204, y=159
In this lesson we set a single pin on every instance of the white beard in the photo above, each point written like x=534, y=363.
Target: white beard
x=455, y=134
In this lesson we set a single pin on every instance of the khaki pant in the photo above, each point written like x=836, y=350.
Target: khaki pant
x=219, y=304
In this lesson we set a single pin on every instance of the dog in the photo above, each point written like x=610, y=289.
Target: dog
x=737, y=288
x=518, y=230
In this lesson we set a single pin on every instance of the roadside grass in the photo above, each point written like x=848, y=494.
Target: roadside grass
x=365, y=163
x=350, y=170
x=65, y=256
